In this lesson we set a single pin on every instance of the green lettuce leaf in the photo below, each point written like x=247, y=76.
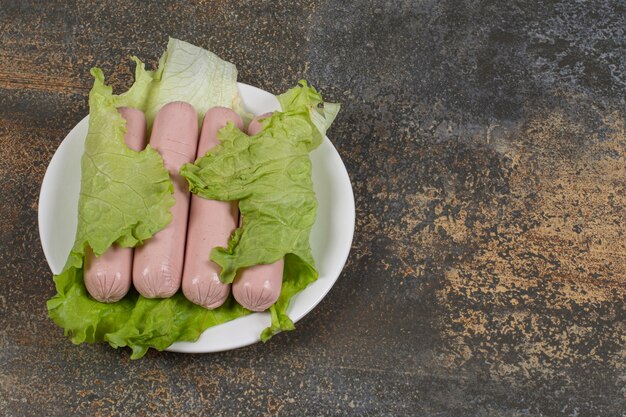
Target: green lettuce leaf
x=185, y=73
x=125, y=198
x=134, y=321
x=270, y=175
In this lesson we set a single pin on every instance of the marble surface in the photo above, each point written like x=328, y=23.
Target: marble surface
x=486, y=145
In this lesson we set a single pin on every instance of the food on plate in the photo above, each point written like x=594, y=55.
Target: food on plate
x=211, y=223
x=258, y=287
x=270, y=174
x=130, y=199
x=108, y=277
x=158, y=263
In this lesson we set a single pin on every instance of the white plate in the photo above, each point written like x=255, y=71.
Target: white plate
x=331, y=236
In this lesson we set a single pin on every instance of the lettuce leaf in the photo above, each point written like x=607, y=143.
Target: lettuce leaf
x=134, y=321
x=125, y=198
x=270, y=175
x=185, y=73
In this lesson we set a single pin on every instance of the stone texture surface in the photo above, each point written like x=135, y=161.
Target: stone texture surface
x=486, y=143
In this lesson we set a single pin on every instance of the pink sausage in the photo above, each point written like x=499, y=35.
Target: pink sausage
x=258, y=287
x=210, y=224
x=108, y=277
x=158, y=264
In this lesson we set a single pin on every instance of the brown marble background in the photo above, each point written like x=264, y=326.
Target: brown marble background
x=486, y=144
